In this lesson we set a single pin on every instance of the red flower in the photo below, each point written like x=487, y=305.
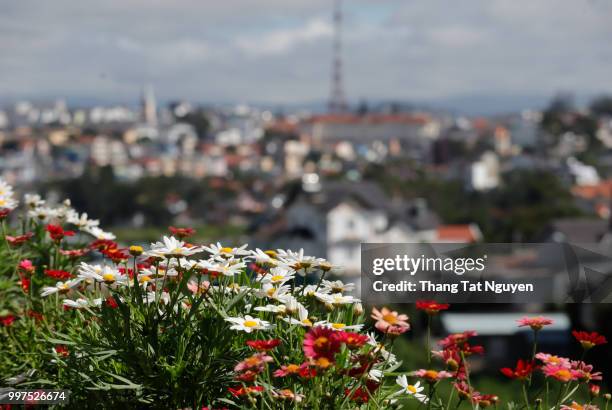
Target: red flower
x=7, y=320
x=352, y=340
x=362, y=393
x=321, y=342
x=26, y=266
x=535, y=323
x=181, y=233
x=263, y=345
x=484, y=400
x=62, y=350
x=247, y=376
x=522, y=370
x=359, y=395
x=58, y=274
x=431, y=307
x=35, y=315
x=589, y=340
x=57, y=233
x=102, y=244
x=4, y=213
x=244, y=391
x=18, y=240
x=115, y=254
x=594, y=390
x=74, y=253
x=24, y=282
x=459, y=341
x=111, y=302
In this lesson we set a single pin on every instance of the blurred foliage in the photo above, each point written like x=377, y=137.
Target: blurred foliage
x=520, y=208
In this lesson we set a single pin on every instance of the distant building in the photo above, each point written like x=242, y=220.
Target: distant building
x=413, y=132
x=149, y=106
x=485, y=173
x=335, y=219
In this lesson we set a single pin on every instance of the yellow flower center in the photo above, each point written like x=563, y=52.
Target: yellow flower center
x=321, y=341
x=307, y=322
x=271, y=291
x=411, y=389
x=177, y=251
x=431, y=374
x=338, y=326
x=2, y=202
x=323, y=362
x=390, y=318
x=250, y=323
x=277, y=278
x=144, y=279
x=226, y=250
x=292, y=368
x=108, y=277
x=564, y=374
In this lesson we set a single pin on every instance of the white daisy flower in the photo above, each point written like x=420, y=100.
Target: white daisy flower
x=380, y=349
x=7, y=202
x=271, y=308
x=77, y=303
x=336, y=299
x=262, y=258
x=299, y=262
x=42, y=213
x=338, y=326
x=227, y=268
x=150, y=297
x=81, y=221
x=105, y=274
x=336, y=286
x=278, y=276
x=375, y=374
x=5, y=188
x=60, y=287
x=280, y=293
x=219, y=251
x=303, y=319
x=98, y=233
x=311, y=291
x=171, y=247
x=33, y=201
x=248, y=323
x=411, y=389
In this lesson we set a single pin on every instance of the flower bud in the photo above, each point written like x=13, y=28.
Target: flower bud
x=136, y=250
x=358, y=308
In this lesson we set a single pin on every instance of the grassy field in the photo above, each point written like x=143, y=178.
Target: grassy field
x=204, y=234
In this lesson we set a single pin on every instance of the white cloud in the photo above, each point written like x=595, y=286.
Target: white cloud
x=279, y=50
x=282, y=40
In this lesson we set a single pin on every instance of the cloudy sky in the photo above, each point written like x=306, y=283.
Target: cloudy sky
x=280, y=50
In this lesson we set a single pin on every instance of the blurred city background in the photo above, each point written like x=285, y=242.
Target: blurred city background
x=321, y=125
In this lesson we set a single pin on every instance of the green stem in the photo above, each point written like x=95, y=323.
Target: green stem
x=525, y=396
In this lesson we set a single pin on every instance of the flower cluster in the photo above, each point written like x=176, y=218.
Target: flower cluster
x=231, y=326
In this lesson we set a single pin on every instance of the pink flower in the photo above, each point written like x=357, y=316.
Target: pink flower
x=255, y=363
x=321, y=342
x=388, y=321
x=576, y=406
x=535, y=323
x=560, y=373
x=431, y=376
x=585, y=371
x=554, y=360
x=26, y=266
